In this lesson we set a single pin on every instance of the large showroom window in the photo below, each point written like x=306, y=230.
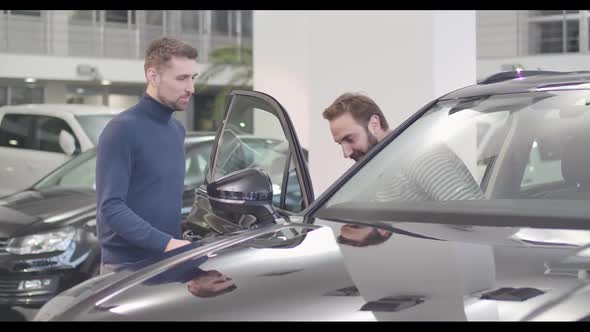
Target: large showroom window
x=558, y=31
x=120, y=16
x=15, y=95
x=191, y=21
x=26, y=95
x=510, y=33
x=3, y=96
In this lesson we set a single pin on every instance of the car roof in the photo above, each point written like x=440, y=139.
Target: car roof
x=544, y=81
x=75, y=109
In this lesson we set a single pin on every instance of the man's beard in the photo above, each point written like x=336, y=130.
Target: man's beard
x=371, y=140
x=173, y=105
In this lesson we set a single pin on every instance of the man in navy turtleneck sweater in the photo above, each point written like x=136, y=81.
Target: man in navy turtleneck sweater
x=140, y=162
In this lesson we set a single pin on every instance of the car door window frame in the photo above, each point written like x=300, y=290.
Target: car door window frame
x=289, y=133
x=29, y=121
x=36, y=142
x=317, y=204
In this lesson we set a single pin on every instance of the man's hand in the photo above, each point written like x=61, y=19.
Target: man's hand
x=174, y=243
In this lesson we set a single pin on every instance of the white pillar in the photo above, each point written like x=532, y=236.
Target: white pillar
x=401, y=59
x=59, y=32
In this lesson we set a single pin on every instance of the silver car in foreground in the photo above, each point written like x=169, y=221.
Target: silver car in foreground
x=476, y=208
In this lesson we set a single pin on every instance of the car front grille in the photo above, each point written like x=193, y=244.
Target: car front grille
x=11, y=287
x=8, y=285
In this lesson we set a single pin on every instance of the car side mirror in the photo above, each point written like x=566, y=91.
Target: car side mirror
x=67, y=143
x=244, y=192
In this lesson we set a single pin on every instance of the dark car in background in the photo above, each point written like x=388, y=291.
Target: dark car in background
x=48, y=232
x=475, y=208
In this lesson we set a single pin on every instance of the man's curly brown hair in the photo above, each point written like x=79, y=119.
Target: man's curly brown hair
x=162, y=50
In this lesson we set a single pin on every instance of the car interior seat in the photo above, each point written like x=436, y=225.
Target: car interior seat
x=575, y=164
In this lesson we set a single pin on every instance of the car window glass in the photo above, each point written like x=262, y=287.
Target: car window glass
x=196, y=164
x=47, y=130
x=82, y=176
x=531, y=145
x=543, y=167
x=81, y=167
x=15, y=131
x=294, y=197
x=253, y=137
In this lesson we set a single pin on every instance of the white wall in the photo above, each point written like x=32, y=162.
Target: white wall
x=455, y=67
x=281, y=65
x=118, y=101
x=64, y=68
x=497, y=33
x=401, y=59
x=454, y=50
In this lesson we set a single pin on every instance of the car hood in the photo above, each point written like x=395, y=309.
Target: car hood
x=464, y=274
x=268, y=282
x=32, y=210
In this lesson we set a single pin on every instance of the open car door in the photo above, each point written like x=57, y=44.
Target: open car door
x=256, y=133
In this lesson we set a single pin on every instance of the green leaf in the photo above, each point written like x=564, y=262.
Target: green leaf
x=237, y=57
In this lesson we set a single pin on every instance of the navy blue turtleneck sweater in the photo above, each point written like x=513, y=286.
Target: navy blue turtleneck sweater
x=139, y=182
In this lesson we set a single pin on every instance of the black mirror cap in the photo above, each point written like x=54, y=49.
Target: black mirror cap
x=251, y=184
x=244, y=192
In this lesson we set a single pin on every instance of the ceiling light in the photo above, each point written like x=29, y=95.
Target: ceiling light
x=30, y=80
x=105, y=82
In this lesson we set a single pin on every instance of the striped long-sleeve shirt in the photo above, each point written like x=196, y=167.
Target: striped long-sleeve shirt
x=437, y=174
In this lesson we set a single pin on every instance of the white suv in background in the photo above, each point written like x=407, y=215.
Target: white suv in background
x=36, y=138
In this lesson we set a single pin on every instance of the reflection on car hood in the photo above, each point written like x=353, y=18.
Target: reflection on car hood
x=266, y=284
x=478, y=273
x=50, y=206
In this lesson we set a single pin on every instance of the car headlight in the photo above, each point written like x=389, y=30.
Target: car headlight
x=58, y=240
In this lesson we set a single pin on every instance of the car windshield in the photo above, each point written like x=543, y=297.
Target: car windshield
x=94, y=124
x=78, y=172
x=525, y=149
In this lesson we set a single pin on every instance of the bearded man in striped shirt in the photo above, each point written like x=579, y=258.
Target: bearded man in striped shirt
x=357, y=124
